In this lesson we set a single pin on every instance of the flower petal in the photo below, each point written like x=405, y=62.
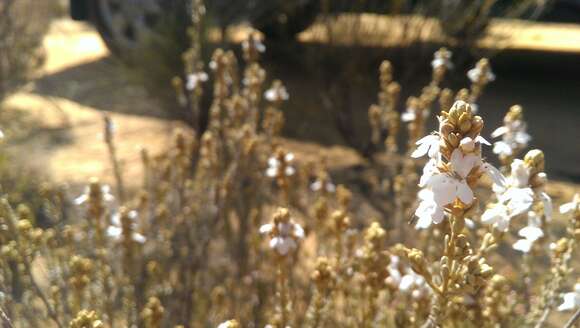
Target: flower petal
x=547, y=202
x=531, y=233
x=482, y=140
x=494, y=174
x=464, y=192
x=499, y=131
x=569, y=302
x=568, y=207
x=444, y=189
x=266, y=228
x=522, y=245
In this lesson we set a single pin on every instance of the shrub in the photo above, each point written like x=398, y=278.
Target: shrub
x=22, y=27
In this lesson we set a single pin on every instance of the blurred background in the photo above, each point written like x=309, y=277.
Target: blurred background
x=63, y=63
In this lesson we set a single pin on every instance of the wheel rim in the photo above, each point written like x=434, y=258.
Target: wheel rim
x=129, y=21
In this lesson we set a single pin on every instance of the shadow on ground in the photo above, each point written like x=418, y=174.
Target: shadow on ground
x=102, y=85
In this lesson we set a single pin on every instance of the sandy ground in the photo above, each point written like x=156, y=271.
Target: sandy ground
x=62, y=137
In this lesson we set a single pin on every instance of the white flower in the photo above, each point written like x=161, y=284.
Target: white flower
x=572, y=206
x=428, y=210
x=229, y=324
x=498, y=215
x=194, y=79
x=257, y=43
x=274, y=166
x=571, y=299
x=318, y=184
x=284, y=236
x=406, y=280
x=275, y=94
x=514, y=137
x=105, y=191
x=410, y=114
x=115, y=230
x=443, y=188
x=530, y=234
x=474, y=74
x=427, y=145
x=448, y=186
x=439, y=61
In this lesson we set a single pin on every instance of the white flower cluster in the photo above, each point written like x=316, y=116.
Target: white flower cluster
x=513, y=134
x=517, y=197
x=115, y=230
x=107, y=197
x=275, y=165
x=571, y=299
x=284, y=233
x=193, y=80
x=276, y=93
x=254, y=42
x=442, y=58
x=444, y=183
x=480, y=72
x=323, y=185
x=406, y=280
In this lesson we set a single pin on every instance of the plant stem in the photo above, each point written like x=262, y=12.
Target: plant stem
x=575, y=317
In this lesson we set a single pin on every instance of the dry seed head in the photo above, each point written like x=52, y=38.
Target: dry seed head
x=341, y=222
x=153, y=312
x=375, y=235
x=386, y=72
x=515, y=113
x=323, y=275
x=445, y=99
x=417, y=260
x=282, y=215
x=394, y=90
x=86, y=319
x=344, y=196
x=534, y=159
x=462, y=94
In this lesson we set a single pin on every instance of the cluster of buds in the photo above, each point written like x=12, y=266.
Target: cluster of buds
x=373, y=261
x=384, y=116
x=417, y=112
x=223, y=64
x=495, y=299
x=323, y=275
x=514, y=137
x=86, y=319
x=152, y=314
x=284, y=233
x=81, y=269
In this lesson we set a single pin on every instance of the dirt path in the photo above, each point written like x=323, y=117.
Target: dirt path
x=62, y=137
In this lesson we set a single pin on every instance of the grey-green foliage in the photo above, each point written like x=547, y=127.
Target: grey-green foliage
x=23, y=24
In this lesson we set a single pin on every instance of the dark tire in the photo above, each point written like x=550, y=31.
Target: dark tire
x=124, y=26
